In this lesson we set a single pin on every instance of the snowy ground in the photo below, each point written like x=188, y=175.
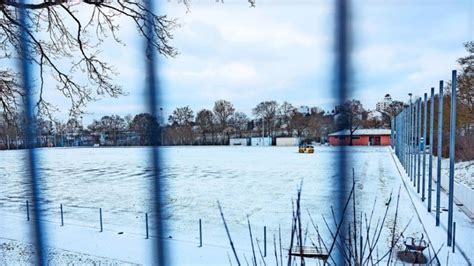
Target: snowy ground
x=13, y=252
x=75, y=245
x=257, y=181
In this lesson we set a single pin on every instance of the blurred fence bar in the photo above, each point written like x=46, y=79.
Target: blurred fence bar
x=37, y=233
x=153, y=96
x=342, y=78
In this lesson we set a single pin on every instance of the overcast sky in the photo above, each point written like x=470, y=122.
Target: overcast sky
x=283, y=50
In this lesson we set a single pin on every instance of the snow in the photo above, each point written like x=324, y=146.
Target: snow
x=374, y=114
x=79, y=245
x=258, y=181
x=464, y=224
x=463, y=171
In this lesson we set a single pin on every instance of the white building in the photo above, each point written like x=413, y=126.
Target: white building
x=261, y=141
x=289, y=141
x=383, y=105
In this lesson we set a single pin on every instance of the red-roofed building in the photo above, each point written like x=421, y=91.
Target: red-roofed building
x=361, y=137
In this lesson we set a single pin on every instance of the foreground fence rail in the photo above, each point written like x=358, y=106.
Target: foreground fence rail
x=101, y=220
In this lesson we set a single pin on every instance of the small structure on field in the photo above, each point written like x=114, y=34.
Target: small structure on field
x=361, y=137
x=261, y=141
x=288, y=141
x=239, y=142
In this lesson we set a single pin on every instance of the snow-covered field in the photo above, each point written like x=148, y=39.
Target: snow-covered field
x=256, y=181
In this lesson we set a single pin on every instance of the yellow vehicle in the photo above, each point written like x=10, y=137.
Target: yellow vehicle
x=306, y=149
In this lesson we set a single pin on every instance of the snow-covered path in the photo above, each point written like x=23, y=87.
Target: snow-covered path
x=464, y=250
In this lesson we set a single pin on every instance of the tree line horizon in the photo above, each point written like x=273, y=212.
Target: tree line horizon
x=213, y=126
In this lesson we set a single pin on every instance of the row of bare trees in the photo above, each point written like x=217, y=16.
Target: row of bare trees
x=218, y=124
x=214, y=126
x=112, y=130
x=270, y=119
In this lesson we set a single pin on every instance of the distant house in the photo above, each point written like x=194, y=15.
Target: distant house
x=361, y=137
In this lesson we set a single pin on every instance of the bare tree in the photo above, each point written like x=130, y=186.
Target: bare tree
x=146, y=126
x=285, y=111
x=223, y=111
x=299, y=123
x=391, y=111
x=58, y=35
x=181, y=122
x=239, y=122
x=465, y=92
x=182, y=116
x=110, y=126
x=205, y=123
x=350, y=116
x=267, y=111
x=316, y=124
x=10, y=93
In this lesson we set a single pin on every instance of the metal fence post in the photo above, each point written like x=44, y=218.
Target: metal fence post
x=391, y=133
x=406, y=137
x=62, y=215
x=410, y=138
x=415, y=131
x=452, y=153
x=200, y=233
x=440, y=147
x=430, y=164
x=100, y=219
x=454, y=237
x=264, y=241
x=418, y=145
x=425, y=113
x=146, y=225
x=27, y=210
x=403, y=138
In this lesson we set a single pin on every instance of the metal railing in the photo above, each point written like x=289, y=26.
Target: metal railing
x=410, y=147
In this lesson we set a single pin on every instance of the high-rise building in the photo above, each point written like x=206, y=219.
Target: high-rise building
x=383, y=105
